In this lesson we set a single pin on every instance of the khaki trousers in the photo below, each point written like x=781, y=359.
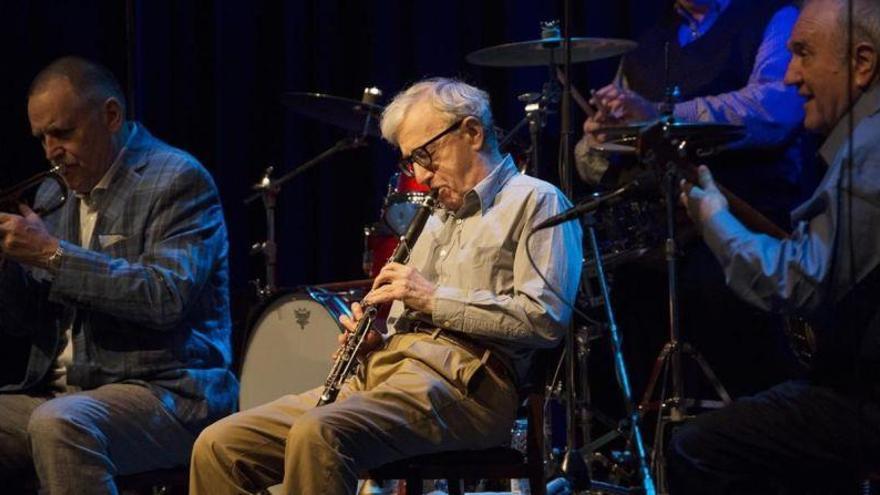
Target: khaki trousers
x=415, y=396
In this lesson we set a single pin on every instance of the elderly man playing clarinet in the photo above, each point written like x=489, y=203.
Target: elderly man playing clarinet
x=469, y=311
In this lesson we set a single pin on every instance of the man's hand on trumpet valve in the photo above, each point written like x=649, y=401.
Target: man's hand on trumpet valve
x=25, y=238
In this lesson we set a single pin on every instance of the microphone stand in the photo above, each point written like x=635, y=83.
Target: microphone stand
x=622, y=378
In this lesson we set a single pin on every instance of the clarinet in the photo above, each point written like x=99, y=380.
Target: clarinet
x=346, y=361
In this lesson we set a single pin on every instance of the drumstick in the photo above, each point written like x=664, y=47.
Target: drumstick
x=582, y=102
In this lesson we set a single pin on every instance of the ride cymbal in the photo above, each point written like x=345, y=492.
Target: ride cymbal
x=341, y=112
x=549, y=50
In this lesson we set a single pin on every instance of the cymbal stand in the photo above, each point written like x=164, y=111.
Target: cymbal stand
x=661, y=151
x=573, y=466
x=268, y=189
x=537, y=107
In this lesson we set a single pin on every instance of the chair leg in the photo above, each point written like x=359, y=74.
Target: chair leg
x=536, y=485
x=456, y=486
x=413, y=485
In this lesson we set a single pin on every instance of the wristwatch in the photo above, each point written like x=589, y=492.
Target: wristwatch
x=53, y=264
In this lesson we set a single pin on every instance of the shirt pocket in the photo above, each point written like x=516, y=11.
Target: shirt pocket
x=474, y=265
x=121, y=245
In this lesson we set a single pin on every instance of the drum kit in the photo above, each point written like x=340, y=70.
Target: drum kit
x=298, y=328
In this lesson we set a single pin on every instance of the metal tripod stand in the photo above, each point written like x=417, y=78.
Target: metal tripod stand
x=661, y=150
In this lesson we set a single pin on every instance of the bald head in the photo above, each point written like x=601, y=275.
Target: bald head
x=92, y=82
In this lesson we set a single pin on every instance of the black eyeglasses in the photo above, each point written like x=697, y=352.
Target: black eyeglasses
x=421, y=156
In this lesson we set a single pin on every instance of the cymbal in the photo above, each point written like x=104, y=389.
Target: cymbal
x=341, y=112
x=695, y=131
x=543, y=51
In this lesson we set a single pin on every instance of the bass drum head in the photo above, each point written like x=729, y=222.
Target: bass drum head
x=290, y=345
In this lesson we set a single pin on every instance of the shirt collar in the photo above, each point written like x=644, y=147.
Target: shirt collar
x=691, y=28
x=104, y=183
x=868, y=104
x=482, y=196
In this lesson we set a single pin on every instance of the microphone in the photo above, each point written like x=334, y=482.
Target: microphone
x=641, y=182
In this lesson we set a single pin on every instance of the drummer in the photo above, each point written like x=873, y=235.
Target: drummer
x=728, y=60
x=469, y=311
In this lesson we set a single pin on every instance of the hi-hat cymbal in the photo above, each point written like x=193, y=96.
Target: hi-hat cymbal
x=694, y=131
x=549, y=50
x=341, y=112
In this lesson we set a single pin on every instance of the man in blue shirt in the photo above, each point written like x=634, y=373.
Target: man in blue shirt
x=812, y=434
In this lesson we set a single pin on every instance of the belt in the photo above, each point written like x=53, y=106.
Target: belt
x=486, y=355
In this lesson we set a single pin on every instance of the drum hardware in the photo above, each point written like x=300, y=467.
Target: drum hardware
x=361, y=117
x=554, y=50
x=704, y=139
x=681, y=140
x=268, y=248
x=668, y=148
x=539, y=105
x=536, y=105
x=401, y=203
x=663, y=146
x=547, y=51
x=580, y=401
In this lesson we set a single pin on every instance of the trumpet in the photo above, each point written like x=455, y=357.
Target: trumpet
x=346, y=361
x=11, y=197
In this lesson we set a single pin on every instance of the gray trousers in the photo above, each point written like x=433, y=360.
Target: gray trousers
x=418, y=395
x=78, y=441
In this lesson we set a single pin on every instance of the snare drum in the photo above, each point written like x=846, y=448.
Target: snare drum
x=290, y=343
x=403, y=199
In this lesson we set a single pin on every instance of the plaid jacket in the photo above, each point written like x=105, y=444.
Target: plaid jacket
x=149, y=299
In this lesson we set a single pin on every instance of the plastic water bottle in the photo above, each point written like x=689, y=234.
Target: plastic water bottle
x=518, y=441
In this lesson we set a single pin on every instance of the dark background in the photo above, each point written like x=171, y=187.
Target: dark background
x=207, y=77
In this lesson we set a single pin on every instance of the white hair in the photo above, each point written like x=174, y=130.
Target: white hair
x=866, y=22
x=454, y=100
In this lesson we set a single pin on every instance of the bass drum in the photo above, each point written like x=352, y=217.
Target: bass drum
x=290, y=343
